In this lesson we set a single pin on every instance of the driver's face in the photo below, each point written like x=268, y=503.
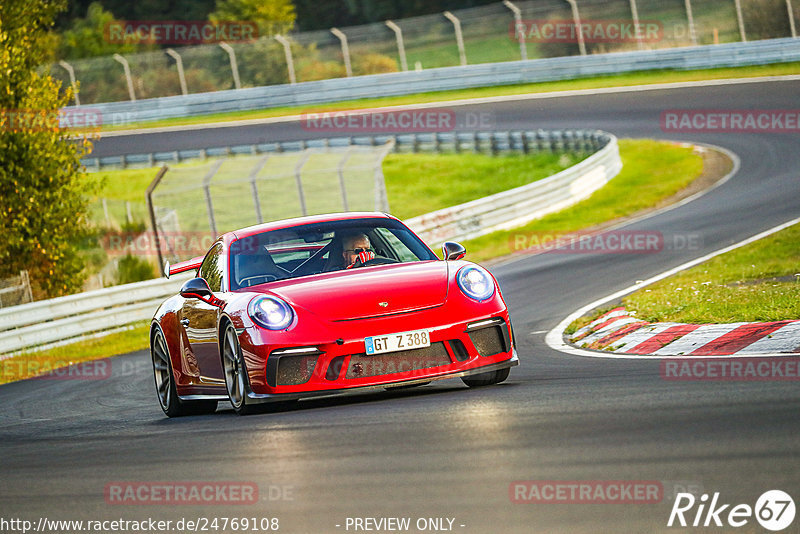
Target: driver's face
x=350, y=245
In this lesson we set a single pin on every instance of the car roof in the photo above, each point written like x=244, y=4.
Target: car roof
x=310, y=219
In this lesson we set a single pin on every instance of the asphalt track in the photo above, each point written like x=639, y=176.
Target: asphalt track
x=443, y=450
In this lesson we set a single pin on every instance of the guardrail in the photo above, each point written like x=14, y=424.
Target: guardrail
x=50, y=322
x=485, y=142
x=55, y=321
x=448, y=78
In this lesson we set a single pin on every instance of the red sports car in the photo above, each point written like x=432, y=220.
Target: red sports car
x=321, y=305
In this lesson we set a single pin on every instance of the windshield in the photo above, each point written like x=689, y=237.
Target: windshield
x=316, y=248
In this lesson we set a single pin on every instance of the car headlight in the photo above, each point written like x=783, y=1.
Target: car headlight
x=270, y=312
x=475, y=282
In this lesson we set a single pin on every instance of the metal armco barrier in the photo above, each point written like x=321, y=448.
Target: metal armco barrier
x=57, y=320
x=448, y=78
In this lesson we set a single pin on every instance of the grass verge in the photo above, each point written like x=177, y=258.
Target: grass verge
x=621, y=80
x=30, y=364
x=653, y=173
x=757, y=282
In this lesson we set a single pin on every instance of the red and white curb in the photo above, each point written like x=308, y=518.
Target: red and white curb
x=621, y=333
x=770, y=344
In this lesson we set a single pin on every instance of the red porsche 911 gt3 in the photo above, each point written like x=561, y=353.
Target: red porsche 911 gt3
x=325, y=304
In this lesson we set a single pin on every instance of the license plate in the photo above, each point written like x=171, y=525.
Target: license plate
x=400, y=341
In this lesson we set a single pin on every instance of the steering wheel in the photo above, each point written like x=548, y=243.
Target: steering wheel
x=248, y=281
x=377, y=260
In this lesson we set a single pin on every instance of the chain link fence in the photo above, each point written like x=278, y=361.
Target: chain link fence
x=492, y=33
x=191, y=206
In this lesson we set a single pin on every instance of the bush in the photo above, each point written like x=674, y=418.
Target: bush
x=373, y=64
x=134, y=269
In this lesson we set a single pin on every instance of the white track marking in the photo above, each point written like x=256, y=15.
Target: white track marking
x=737, y=163
x=554, y=338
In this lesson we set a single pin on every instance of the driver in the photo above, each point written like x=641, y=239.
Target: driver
x=357, y=250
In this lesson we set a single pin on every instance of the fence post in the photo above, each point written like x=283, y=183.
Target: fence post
x=298, y=179
x=401, y=47
x=523, y=52
x=287, y=51
x=128, y=77
x=149, y=198
x=690, y=19
x=179, y=62
x=635, y=15
x=345, y=50
x=237, y=84
x=576, y=18
x=253, y=174
x=381, y=198
x=207, y=190
x=462, y=55
x=67, y=67
x=340, y=172
x=740, y=19
x=791, y=18
x=26, y=281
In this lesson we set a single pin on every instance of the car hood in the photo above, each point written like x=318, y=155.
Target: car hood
x=367, y=291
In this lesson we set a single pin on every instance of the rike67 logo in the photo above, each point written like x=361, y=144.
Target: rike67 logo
x=774, y=510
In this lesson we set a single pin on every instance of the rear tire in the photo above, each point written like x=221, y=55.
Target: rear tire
x=165, y=383
x=486, y=379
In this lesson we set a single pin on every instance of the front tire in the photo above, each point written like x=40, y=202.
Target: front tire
x=235, y=372
x=165, y=383
x=486, y=379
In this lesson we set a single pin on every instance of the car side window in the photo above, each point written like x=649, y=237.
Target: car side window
x=400, y=249
x=211, y=268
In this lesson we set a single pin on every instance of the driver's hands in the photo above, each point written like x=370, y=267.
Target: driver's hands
x=362, y=258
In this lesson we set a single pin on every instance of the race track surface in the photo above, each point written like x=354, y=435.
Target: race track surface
x=444, y=451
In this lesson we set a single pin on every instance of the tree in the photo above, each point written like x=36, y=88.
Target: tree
x=272, y=16
x=87, y=37
x=43, y=189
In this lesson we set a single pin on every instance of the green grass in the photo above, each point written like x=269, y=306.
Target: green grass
x=652, y=172
x=757, y=282
x=29, y=364
x=421, y=183
x=637, y=78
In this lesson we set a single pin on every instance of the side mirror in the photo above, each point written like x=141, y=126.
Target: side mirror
x=196, y=288
x=453, y=251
